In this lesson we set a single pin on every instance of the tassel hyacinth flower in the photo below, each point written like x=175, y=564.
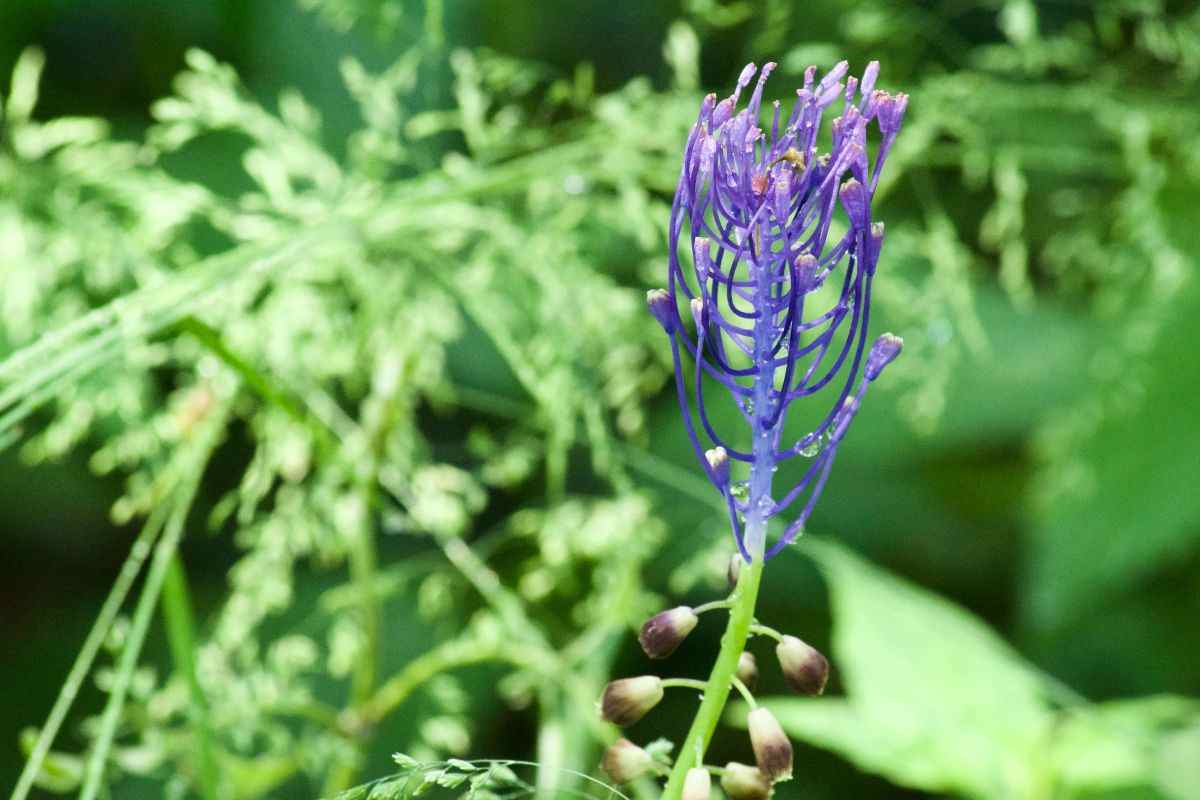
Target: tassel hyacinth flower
x=774, y=249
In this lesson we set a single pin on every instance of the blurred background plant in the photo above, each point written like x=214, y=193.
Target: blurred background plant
x=334, y=424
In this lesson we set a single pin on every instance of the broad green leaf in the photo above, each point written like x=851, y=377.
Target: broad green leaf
x=1130, y=744
x=936, y=700
x=1125, y=501
x=939, y=702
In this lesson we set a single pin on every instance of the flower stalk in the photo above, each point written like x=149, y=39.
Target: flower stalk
x=720, y=680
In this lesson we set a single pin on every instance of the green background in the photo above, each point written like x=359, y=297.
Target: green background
x=1047, y=483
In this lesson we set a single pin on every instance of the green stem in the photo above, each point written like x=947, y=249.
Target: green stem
x=711, y=606
x=91, y=647
x=763, y=630
x=720, y=682
x=363, y=563
x=181, y=637
x=148, y=600
x=451, y=655
x=744, y=691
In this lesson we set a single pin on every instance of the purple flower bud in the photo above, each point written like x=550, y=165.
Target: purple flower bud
x=854, y=198
x=885, y=350
x=697, y=785
x=626, y=701
x=722, y=113
x=702, y=257
x=662, y=307
x=697, y=306
x=806, y=270
x=718, y=462
x=804, y=668
x=889, y=110
x=624, y=761
x=851, y=88
x=744, y=782
x=870, y=75
x=747, y=669
x=746, y=76
x=772, y=750
x=666, y=630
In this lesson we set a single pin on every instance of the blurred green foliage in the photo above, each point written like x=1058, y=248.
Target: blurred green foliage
x=362, y=297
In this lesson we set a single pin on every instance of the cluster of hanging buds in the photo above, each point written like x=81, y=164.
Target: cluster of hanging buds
x=783, y=252
x=627, y=700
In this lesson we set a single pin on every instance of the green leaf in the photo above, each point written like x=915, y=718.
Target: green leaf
x=1129, y=744
x=936, y=701
x=1122, y=500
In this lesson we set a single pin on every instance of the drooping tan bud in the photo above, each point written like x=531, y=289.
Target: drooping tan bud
x=666, y=630
x=624, y=761
x=734, y=570
x=747, y=669
x=627, y=700
x=804, y=668
x=697, y=785
x=772, y=750
x=744, y=782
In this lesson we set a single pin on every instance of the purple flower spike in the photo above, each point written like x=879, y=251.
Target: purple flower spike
x=783, y=250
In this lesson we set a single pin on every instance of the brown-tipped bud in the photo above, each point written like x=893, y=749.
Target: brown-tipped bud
x=772, y=750
x=697, y=785
x=743, y=782
x=624, y=761
x=804, y=668
x=718, y=462
x=734, y=570
x=666, y=630
x=626, y=701
x=747, y=669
